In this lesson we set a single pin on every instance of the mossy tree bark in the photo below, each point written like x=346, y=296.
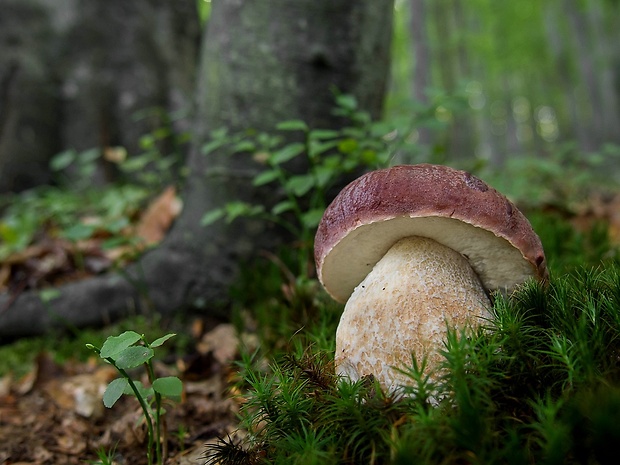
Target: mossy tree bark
x=261, y=63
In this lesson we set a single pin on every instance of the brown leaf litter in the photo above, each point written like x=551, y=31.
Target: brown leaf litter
x=55, y=414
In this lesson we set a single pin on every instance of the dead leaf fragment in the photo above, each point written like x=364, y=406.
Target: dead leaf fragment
x=222, y=341
x=156, y=220
x=82, y=393
x=116, y=155
x=5, y=385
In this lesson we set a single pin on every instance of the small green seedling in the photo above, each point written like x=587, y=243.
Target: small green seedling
x=106, y=457
x=130, y=350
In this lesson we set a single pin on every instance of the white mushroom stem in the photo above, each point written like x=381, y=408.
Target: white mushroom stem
x=403, y=307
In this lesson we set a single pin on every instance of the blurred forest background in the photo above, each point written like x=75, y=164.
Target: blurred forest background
x=165, y=163
x=484, y=80
x=534, y=76
x=107, y=108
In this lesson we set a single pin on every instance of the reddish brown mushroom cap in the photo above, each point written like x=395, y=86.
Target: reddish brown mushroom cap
x=447, y=205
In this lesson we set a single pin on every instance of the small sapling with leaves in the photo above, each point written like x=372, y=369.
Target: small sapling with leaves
x=130, y=350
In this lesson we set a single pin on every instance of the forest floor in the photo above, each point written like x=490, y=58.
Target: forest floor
x=55, y=415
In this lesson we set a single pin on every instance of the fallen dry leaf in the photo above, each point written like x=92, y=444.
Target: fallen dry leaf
x=194, y=455
x=70, y=444
x=5, y=385
x=156, y=220
x=53, y=260
x=222, y=341
x=21, y=256
x=82, y=393
x=115, y=155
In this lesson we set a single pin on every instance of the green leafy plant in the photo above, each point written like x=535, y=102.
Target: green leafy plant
x=327, y=155
x=77, y=209
x=19, y=357
x=157, y=165
x=280, y=304
x=83, y=163
x=562, y=178
x=567, y=248
x=161, y=161
x=125, y=352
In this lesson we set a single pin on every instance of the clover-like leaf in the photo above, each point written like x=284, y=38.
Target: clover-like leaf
x=287, y=153
x=133, y=356
x=169, y=386
x=143, y=391
x=114, y=391
x=116, y=344
x=292, y=125
x=158, y=342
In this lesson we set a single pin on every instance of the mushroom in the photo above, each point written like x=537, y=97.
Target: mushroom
x=412, y=249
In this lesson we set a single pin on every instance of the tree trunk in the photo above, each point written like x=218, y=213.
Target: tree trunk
x=74, y=75
x=285, y=65
x=422, y=65
x=261, y=62
x=29, y=105
x=141, y=55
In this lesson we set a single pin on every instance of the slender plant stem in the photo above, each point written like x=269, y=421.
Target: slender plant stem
x=158, y=438
x=145, y=409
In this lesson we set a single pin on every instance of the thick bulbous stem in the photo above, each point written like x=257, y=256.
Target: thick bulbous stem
x=403, y=307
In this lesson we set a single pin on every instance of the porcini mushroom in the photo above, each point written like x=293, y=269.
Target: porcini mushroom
x=411, y=249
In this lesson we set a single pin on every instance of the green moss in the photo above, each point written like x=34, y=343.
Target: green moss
x=539, y=384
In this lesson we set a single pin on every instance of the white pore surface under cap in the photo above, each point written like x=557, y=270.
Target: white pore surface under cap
x=498, y=264
x=402, y=308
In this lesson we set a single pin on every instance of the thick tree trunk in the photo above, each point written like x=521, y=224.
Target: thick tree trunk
x=285, y=64
x=262, y=62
